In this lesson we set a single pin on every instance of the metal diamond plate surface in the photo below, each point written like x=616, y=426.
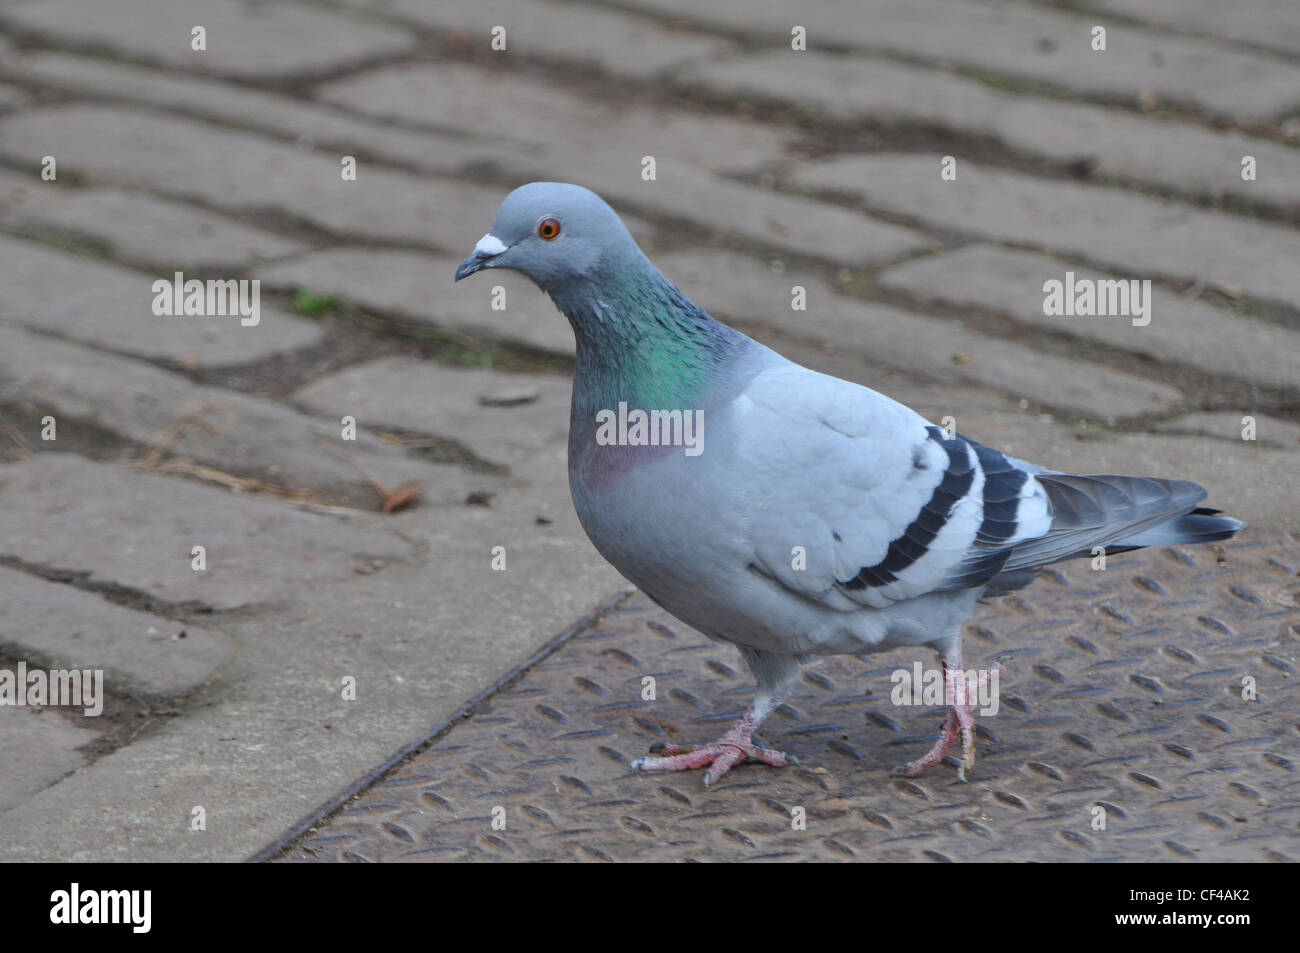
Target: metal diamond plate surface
x=1124, y=692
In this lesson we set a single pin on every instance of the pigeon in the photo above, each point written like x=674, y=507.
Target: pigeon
x=788, y=512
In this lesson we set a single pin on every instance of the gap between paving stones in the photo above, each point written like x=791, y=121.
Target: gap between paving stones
x=43, y=745
x=111, y=592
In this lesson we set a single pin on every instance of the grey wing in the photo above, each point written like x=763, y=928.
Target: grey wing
x=1117, y=513
x=886, y=507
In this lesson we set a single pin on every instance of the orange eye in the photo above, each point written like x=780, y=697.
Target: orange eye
x=548, y=228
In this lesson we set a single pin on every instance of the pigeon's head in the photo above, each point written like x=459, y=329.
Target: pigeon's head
x=553, y=233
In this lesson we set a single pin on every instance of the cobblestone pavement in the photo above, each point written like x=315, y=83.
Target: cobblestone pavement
x=921, y=169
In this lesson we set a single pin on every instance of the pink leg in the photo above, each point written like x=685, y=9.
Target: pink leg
x=959, y=718
x=947, y=735
x=733, y=747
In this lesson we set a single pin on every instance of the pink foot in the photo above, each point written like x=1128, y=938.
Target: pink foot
x=735, y=746
x=959, y=719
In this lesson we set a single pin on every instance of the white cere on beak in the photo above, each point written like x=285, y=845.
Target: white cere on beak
x=489, y=245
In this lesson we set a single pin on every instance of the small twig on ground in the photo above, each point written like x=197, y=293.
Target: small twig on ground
x=193, y=418
x=184, y=467
x=408, y=494
x=17, y=437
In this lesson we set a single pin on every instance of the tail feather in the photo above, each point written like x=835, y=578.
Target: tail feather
x=1118, y=512
x=1201, y=525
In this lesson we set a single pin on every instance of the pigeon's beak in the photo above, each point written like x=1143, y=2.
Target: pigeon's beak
x=488, y=248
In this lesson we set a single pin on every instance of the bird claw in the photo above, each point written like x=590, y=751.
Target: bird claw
x=958, y=722
x=719, y=757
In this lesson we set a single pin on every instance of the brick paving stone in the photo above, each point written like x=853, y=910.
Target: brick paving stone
x=37, y=747
x=1043, y=46
x=11, y=95
x=449, y=402
x=143, y=656
x=1256, y=483
x=138, y=227
x=1179, y=156
x=227, y=430
x=313, y=126
x=250, y=40
x=581, y=33
x=1187, y=331
x=1268, y=23
x=104, y=304
x=743, y=290
x=1228, y=425
x=133, y=529
x=176, y=156
x=748, y=289
x=555, y=118
x=419, y=287
x=1139, y=236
